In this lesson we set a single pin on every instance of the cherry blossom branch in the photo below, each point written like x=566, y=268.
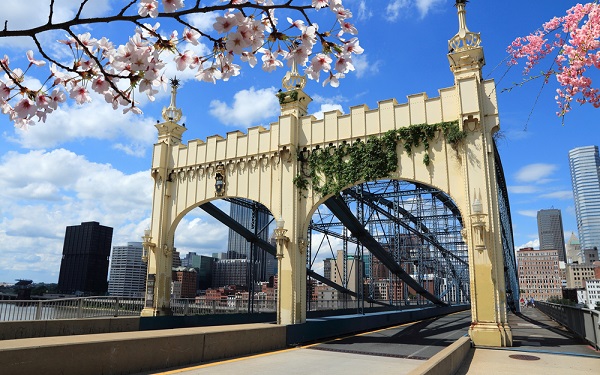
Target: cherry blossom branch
x=244, y=29
x=577, y=42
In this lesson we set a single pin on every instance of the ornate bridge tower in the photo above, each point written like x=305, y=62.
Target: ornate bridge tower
x=263, y=164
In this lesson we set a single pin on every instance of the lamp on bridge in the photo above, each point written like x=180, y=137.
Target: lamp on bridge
x=280, y=236
x=220, y=180
x=147, y=245
x=478, y=224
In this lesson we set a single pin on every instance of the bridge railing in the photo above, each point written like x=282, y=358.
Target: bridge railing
x=584, y=323
x=93, y=307
x=70, y=308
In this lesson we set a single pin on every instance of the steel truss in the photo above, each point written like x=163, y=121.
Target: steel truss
x=415, y=226
x=511, y=275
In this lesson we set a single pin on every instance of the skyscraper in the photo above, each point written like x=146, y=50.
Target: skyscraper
x=550, y=231
x=584, y=163
x=127, y=271
x=84, y=264
x=254, y=217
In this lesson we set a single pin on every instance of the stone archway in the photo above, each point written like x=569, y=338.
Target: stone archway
x=237, y=165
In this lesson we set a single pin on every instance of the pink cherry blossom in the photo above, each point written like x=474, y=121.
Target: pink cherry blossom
x=32, y=61
x=148, y=8
x=138, y=66
x=172, y=5
x=80, y=94
x=576, y=38
x=25, y=108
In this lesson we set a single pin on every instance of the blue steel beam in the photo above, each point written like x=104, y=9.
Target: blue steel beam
x=215, y=212
x=338, y=207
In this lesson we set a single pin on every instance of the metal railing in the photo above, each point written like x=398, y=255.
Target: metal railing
x=93, y=307
x=182, y=306
x=584, y=323
x=70, y=308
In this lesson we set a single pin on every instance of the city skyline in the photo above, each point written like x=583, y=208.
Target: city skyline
x=78, y=167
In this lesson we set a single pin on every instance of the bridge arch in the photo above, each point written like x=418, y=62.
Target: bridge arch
x=267, y=165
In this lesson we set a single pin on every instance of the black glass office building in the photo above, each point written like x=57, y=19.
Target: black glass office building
x=85, y=258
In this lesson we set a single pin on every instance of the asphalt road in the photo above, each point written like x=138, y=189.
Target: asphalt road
x=392, y=350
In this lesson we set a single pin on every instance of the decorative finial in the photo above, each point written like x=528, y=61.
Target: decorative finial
x=172, y=113
x=464, y=39
x=292, y=79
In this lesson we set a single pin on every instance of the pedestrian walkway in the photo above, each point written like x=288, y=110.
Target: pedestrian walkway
x=540, y=346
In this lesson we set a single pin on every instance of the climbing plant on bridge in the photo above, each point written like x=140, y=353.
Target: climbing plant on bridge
x=333, y=168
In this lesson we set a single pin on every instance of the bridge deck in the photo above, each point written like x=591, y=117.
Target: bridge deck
x=405, y=349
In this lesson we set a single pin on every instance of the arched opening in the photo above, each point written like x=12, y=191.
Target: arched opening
x=228, y=244
x=387, y=242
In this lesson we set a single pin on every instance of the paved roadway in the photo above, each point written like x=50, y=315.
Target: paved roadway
x=540, y=347
x=394, y=350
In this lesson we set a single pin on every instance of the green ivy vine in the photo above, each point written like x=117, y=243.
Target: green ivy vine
x=284, y=96
x=332, y=168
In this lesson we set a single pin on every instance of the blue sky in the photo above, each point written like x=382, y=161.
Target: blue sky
x=90, y=163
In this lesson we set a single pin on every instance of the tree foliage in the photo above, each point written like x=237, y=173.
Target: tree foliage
x=244, y=31
x=573, y=44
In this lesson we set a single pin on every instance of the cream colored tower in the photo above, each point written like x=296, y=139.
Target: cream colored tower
x=158, y=241
x=483, y=233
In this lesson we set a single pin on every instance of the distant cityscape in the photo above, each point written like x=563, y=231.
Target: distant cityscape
x=558, y=271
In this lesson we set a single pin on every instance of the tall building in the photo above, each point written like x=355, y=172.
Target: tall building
x=585, y=177
x=84, y=265
x=573, y=249
x=184, y=282
x=127, y=271
x=254, y=217
x=354, y=269
x=550, y=231
x=539, y=273
x=228, y=272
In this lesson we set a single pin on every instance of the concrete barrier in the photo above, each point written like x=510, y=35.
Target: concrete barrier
x=448, y=361
x=65, y=327
x=134, y=352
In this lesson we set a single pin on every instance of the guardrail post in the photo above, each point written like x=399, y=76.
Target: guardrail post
x=186, y=307
x=38, y=311
x=80, y=308
x=116, y=306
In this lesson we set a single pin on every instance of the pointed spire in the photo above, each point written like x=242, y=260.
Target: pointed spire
x=292, y=79
x=464, y=39
x=172, y=113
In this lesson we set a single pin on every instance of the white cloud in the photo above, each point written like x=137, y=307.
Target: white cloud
x=535, y=244
x=203, y=21
x=364, y=67
x=424, y=6
x=528, y=213
x=249, y=107
x=327, y=107
x=95, y=120
x=537, y=173
x=563, y=194
x=36, y=14
x=395, y=8
x=364, y=13
x=524, y=189
x=42, y=192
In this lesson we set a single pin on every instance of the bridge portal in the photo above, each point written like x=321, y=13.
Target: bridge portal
x=300, y=161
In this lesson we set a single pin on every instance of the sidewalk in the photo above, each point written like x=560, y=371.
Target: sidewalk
x=541, y=346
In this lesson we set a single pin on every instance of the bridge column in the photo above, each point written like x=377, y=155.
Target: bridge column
x=291, y=286
x=478, y=114
x=158, y=241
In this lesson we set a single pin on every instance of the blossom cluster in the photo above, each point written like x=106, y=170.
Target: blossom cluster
x=118, y=73
x=576, y=42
